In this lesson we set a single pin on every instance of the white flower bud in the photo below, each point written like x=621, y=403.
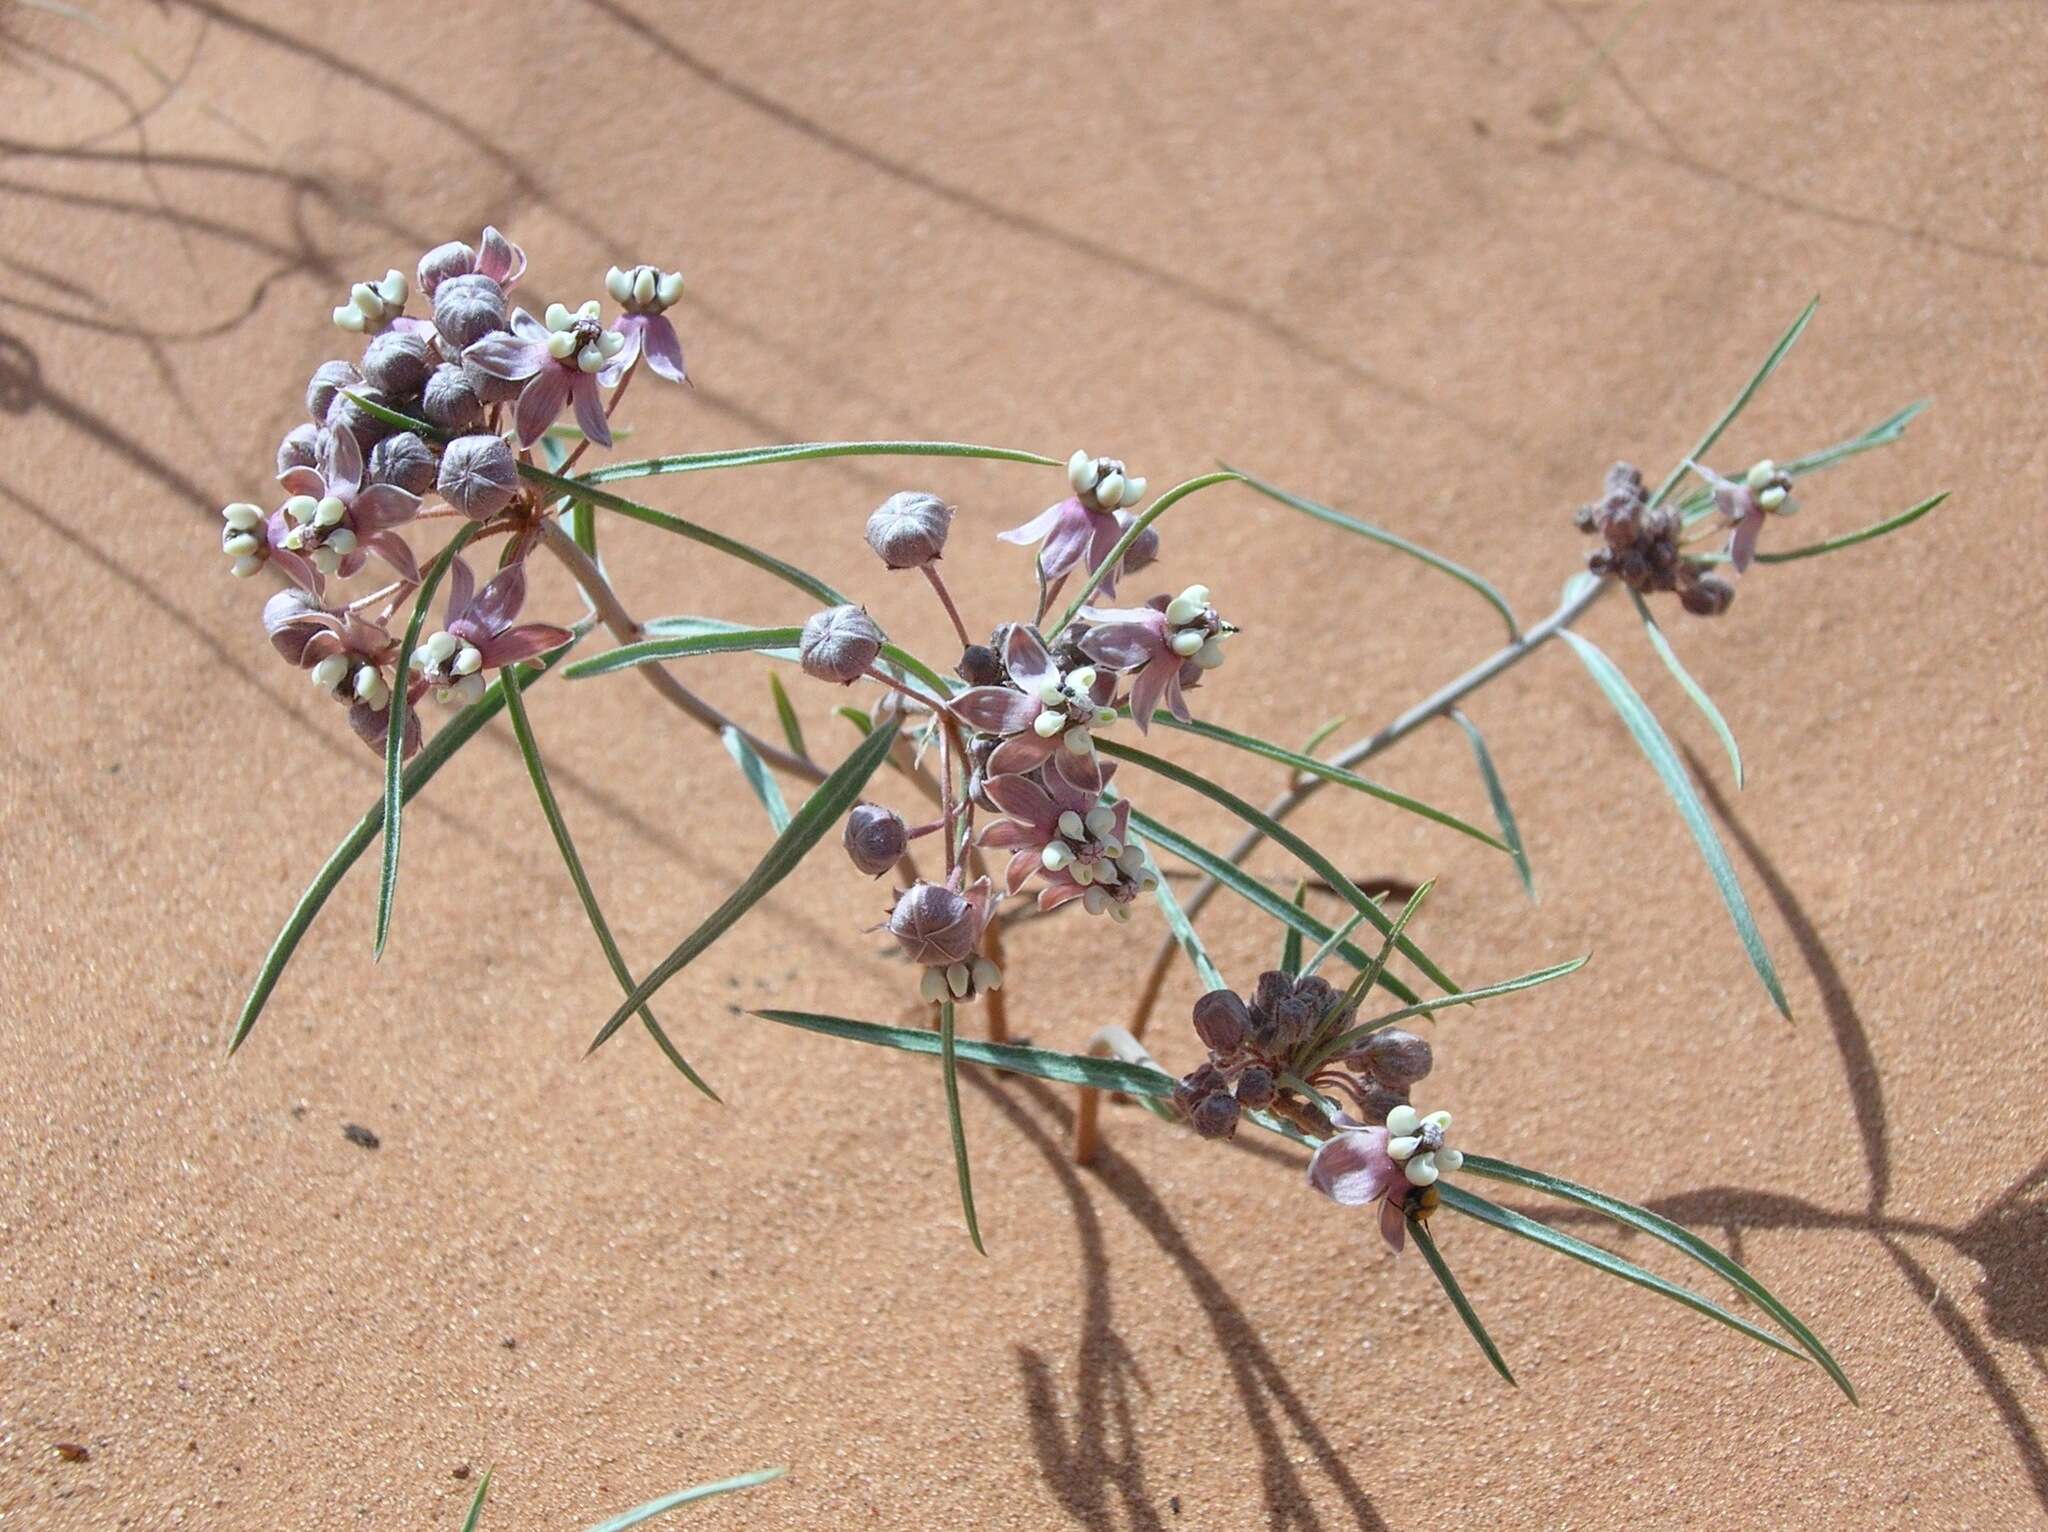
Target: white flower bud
x=241, y=569
x=1081, y=472
x=986, y=975
x=342, y=541
x=1134, y=491
x=371, y=689
x=467, y=662
x=1421, y=1170
x=240, y=546
x=1188, y=644
x=1095, y=901
x=242, y=516
x=1400, y=1148
x=590, y=310
x=1078, y=741
x=351, y=319
x=933, y=985
x=1441, y=1121
x=300, y=508
x=611, y=343
x=1049, y=723
x=589, y=359
x=668, y=288
x=618, y=284
x=1210, y=655
x=1050, y=692
x=1448, y=1160
x=1081, y=680
x=643, y=287
x=1188, y=605
x=558, y=317
x=1056, y=855
x=330, y=672
x=1101, y=821
x=957, y=978
x=328, y=512
x=1082, y=873
x=440, y=646
x=1071, y=825
x=1403, y=1120
x=1760, y=473
x=1110, y=491
x=393, y=289
x=1771, y=498
x=561, y=343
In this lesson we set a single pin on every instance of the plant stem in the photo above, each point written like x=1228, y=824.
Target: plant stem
x=946, y=600
x=1435, y=705
x=610, y=405
x=626, y=630
x=1087, y=1118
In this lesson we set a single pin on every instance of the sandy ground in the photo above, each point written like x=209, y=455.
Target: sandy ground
x=1347, y=246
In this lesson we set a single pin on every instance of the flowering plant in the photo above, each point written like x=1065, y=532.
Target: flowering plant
x=1016, y=746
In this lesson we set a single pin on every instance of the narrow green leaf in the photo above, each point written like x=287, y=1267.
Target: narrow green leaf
x=1014, y=1058
x=1137, y=529
x=654, y=1508
x=949, y=1067
x=394, y=732
x=1331, y=943
x=1253, y=892
x=551, y=809
x=832, y=798
x=449, y=738
x=1497, y=795
x=1358, y=1034
x=856, y=717
x=1649, y=734
x=1290, y=945
x=1368, y=976
x=1713, y=434
x=1700, y=502
x=1456, y=1294
x=1851, y=539
x=1280, y=835
x=476, y=1505
x=1182, y=928
x=1678, y=1237
x=1317, y=739
x=648, y=651
x=755, y=770
x=1693, y=689
x=1477, y=1207
x=785, y=711
x=1392, y=540
x=800, y=452
x=1318, y=768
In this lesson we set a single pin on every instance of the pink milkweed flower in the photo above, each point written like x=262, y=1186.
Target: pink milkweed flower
x=346, y=655
x=477, y=634
x=557, y=361
x=646, y=293
x=495, y=257
x=1164, y=646
x=1079, y=844
x=1081, y=531
x=1043, y=710
x=334, y=521
x=1353, y=1167
x=1745, y=504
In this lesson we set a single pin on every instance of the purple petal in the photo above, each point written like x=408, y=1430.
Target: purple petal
x=1176, y=697
x=1009, y=835
x=590, y=408
x=630, y=326
x=664, y=349
x=1022, y=798
x=1122, y=645
x=507, y=356
x=461, y=591
x=1067, y=544
x=395, y=551
x=1353, y=1168
x=373, y=727
x=529, y=329
x=499, y=602
x=305, y=481
x=1027, y=659
x=344, y=463
x=1033, y=530
x=499, y=259
x=996, y=709
x=523, y=643
x=1019, y=753
x=1742, y=546
x=1393, y=1225
x=381, y=507
x=1147, y=688
x=540, y=402
x=1104, y=533
x=1076, y=781
x=1055, y=894
x=1020, y=869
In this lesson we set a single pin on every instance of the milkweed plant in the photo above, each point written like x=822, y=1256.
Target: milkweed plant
x=1034, y=759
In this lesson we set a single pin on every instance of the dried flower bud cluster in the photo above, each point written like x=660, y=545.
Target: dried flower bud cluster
x=1640, y=545
x=352, y=481
x=1282, y=1033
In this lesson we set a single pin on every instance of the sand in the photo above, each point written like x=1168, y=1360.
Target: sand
x=1355, y=248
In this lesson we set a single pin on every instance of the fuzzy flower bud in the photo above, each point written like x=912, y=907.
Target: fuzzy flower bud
x=1256, y=1088
x=1393, y=1057
x=398, y=362
x=450, y=400
x=405, y=460
x=328, y=380
x=979, y=666
x=299, y=449
x=1215, y=1115
x=875, y=838
x=908, y=530
x=1706, y=595
x=1145, y=550
x=935, y=926
x=479, y=476
x=1221, y=1022
x=467, y=308
x=839, y=644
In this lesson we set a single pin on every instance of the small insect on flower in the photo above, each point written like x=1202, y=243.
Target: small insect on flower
x=646, y=293
x=1045, y=709
x=1082, y=530
x=478, y=635
x=1164, y=646
x=557, y=362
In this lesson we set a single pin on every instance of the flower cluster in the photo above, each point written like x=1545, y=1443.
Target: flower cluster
x=353, y=483
x=1744, y=504
x=1397, y=1166
x=1641, y=545
x=1269, y=1054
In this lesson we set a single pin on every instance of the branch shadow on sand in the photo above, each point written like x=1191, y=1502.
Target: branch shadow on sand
x=1088, y=1448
